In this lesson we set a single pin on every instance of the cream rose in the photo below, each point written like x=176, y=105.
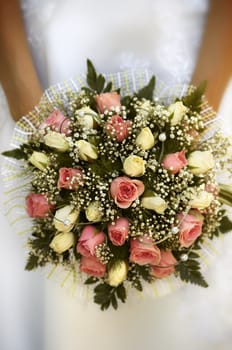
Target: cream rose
x=39, y=160
x=117, y=273
x=153, y=202
x=178, y=110
x=65, y=218
x=87, y=117
x=134, y=166
x=87, y=151
x=57, y=141
x=93, y=211
x=145, y=139
x=200, y=162
x=62, y=242
x=201, y=200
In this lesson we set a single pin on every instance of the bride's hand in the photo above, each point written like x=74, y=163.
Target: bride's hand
x=17, y=72
x=214, y=62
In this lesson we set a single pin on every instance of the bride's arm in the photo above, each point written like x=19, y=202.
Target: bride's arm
x=17, y=73
x=215, y=57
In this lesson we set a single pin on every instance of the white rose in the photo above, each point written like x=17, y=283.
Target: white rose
x=39, y=160
x=117, y=273
x=200, y=162
x=57, y=141
x=93, y=211
x=201, y=200
x=155, y=203
x=87, y=117
x=65, y=218
x=134, y=166
x=145, y=139
x=62, y=242
x=178, y=109
x=87, y=151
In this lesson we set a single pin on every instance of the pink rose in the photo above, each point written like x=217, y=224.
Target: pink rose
x=37, y=205
x=70, y=178
x=57, y=122
x=125, y=190
x=175, y=161
x=190, y=229
x=119, y=231
x=92, y=266
x=118, y=127
x=145, y=252
x=166, y=265
x=107, y=100
x=90, y=238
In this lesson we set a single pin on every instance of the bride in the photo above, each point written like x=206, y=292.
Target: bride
x=164, y=36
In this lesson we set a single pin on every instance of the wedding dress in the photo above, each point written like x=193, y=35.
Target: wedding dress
x=37, y=314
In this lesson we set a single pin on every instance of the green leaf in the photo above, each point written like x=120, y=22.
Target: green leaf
x=91, y=280
x=121, y=293
x=148, y=90
x=95, y=81
x=91, y=75
x=32, y=262
x=100, y=83
x=225, y=225
x=138, y=285
x=191, y=274
x=17, y=153
x=108, y=87
x=194, y=99
x=114, y=301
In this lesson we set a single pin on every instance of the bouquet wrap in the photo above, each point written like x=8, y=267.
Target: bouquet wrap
x=17, y=179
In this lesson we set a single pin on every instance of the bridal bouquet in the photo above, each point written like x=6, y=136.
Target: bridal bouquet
x=124, y=188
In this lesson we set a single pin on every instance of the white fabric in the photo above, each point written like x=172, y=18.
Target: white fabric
x=37, y=314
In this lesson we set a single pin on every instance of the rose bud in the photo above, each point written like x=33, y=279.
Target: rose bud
x=174, y=162
x=134, y=166
x=177, y=110
x=37, y=205
x=143, y=252
x=93, y=212
x=201, y=200
x=57, y=141
x=39, y=160
x=62, y=242
x=118, y=128
x=117, y=273
x=190, y=229
x=153, y=202
x=92, y=266
x=107, y=101
x=166, y=265
x=57, y=122
x=145, y=139
x=125, y=190
x=200, y=162
x=87, y=151
x=65, y=218
x=70, y=178
x=118, y=231
x=87, y=117
x=89, y=240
